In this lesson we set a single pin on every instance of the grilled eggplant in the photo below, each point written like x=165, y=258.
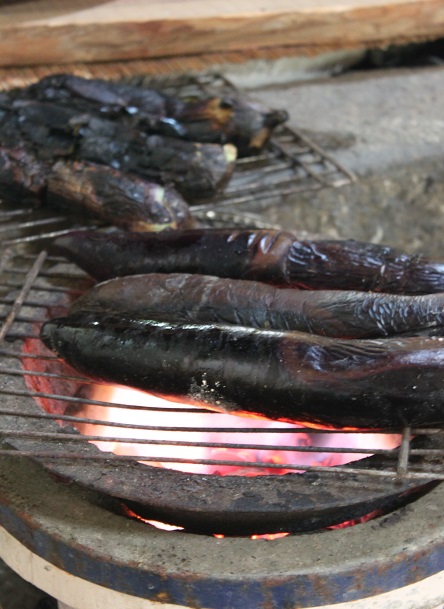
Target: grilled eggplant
x=129, y=202
x=275, y=257
x=105, y=193
x=52, y=132
x=203, y=299
x=285, y=376
x=215, y=119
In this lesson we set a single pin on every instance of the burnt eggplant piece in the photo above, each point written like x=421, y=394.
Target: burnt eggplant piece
x=275, y=257
x=126, y=201
x=215, y=119
x=109, y=97
x=197, y=170
x=22, y=176
x=232, y=119
x=53, y=132
x=48, y=131
x=285, y=376
x=204, y=299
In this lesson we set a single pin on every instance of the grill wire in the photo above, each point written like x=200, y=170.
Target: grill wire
x=32, y=282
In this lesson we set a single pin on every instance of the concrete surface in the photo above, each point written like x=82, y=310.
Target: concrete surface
x=388, y=127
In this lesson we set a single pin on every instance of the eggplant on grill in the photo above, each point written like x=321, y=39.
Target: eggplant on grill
x=270, y=256
x=51, y=132
x=63, y=127
x=215, y=119
x=204, y=299
x=232, y=344
x=130, y=202
x=281, y=375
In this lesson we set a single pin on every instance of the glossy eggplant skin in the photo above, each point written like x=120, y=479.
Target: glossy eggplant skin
x=222, y=253
x=285, y=376
x=204, y=299
x=274, y=257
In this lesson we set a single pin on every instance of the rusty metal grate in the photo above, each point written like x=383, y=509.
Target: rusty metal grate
x=33, y=286
x=291, y=163
x=42, y=402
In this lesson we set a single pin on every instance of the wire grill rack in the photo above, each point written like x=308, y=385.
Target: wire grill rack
x=291, y=163
x=35, y=285
x=45, y=404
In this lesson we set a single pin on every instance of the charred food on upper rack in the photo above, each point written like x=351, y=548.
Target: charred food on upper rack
x=69, y=140
x=222, y=119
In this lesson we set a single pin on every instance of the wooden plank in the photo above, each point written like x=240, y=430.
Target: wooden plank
x=58, y=32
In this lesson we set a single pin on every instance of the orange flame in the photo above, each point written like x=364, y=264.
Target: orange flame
x=201, y=429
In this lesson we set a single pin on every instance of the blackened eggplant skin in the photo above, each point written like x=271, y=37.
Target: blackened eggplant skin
x=101, y=192
x=215, y=119
x=53, y=132
x=22, y=176
x=109, y=97
x=231, y=119
x=285, y=376
x=204, y=299
x=271, y=256
x=197, y=170
x=129, y=202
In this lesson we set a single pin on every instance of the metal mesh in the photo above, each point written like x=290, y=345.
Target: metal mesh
x=292, y=162
x=34, y=287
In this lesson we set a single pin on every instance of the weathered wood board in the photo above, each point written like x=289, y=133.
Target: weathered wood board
x=59, y=31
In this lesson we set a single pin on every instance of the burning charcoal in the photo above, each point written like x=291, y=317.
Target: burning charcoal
x=204, y=299
x=271, y=256
x=286, y=376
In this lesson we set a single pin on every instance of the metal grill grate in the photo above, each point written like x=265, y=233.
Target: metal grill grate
x=34, y=287
x=292, y=162
x=43, y=402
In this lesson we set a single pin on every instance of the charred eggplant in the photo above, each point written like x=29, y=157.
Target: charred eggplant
x=203, y=299
x=275, y=257
x=214, y=119
x=286, y=376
